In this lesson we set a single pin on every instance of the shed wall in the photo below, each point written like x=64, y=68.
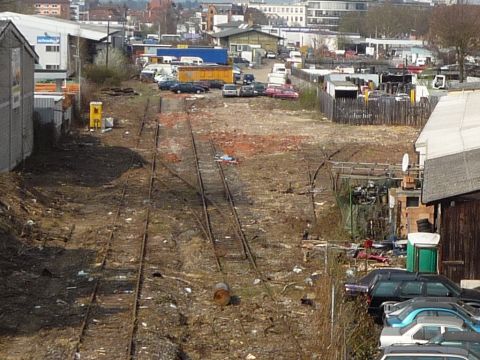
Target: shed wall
x=16, y=125
x=460, y=240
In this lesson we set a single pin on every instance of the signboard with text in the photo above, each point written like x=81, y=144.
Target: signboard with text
x=48, y=40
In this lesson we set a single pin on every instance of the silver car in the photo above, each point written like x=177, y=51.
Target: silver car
x=229, y=90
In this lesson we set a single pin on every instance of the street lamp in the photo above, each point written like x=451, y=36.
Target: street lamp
x=108, y=40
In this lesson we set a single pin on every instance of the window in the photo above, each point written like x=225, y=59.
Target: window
x=385, y=288
x=52, y=48
x=296, y=10
x=411, y=288
x=427, y=332
x=301, y=18
x=52, y=67
x=412, y=201
x=453, y=329
x=436, y=289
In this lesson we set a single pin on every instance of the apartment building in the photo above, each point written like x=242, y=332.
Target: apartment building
x=288, y=14
x=56, y=8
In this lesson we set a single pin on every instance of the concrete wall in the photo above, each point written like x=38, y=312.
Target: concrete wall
x=16, y=125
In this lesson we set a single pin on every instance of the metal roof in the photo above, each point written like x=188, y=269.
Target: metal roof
x=453, y=127
x=236, y=31
x=450, y=142
x=48, y=23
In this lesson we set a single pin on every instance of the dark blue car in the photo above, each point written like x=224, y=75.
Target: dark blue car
x=166, y=85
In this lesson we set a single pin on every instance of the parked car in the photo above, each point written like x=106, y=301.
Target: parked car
x=398, y=287
x=216, y=84
x=246, y=91
x=426, y=352
x=466, y=340
x=272, y=89
x=203, y=83
x=284, y=93
x=259, y=88
x=248, y=79
x=421, y=330
x=239, y=61
x=362, y=285
x=406, y=315
x=187, y=88
x=229, y=90
x=166, y=85
x=271, y=55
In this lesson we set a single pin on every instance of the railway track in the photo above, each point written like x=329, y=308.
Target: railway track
x=111, y=308
x=208, y=197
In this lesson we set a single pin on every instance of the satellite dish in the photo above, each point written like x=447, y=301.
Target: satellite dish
x=405, y=162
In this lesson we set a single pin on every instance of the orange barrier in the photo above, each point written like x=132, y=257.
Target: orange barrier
x=51, y=87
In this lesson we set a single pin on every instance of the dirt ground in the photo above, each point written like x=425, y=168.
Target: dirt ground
x=57, y=212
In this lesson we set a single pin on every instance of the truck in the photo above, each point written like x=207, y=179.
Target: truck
x=153, y=70
x=198, y=73
x=191, y=60
x=208, y=55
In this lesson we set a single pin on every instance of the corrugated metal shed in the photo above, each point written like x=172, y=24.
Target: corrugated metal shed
x=16, y=96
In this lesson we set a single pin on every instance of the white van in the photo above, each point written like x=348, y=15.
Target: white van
x=192, y=60
x=168, y=59
x=279, y=68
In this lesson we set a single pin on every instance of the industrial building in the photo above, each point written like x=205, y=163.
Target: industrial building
x=57, y=41
x=18, y=60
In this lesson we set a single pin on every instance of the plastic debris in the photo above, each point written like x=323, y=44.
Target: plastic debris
x=30, y=223
x=188, y=290
x=82, y=273
x=144, y=324
x=256, y=281
x=226, y=159
x=297, y=269
x=106, y=130
x=250, y=357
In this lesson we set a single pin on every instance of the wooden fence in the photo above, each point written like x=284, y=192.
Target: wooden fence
x=380, y=111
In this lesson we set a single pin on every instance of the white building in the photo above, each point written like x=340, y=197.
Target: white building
x=55, y=40
x=291, y=14
x=326, y=14
x=306, y=36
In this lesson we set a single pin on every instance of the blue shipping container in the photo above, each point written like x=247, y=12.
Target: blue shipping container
x=208, y=55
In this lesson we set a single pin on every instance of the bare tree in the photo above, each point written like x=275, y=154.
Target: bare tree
x=20, y=6
x=388, y=19
x=457, y=26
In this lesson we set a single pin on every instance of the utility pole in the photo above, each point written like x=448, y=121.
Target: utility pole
x=108, y=40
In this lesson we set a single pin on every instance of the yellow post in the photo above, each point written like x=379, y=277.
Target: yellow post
x=95, y=114
x=412, y=96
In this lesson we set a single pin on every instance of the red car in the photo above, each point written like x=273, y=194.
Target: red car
x=272, y=89
x=283, y=93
